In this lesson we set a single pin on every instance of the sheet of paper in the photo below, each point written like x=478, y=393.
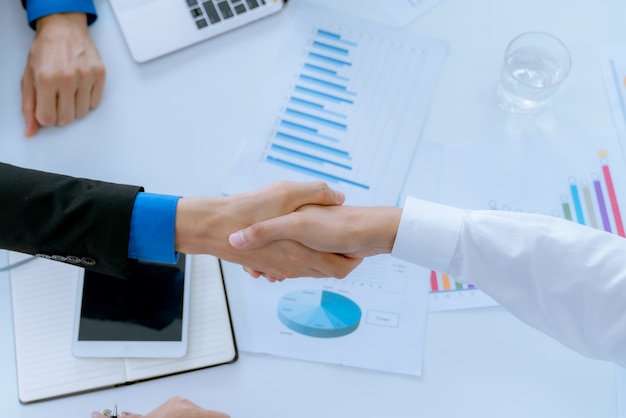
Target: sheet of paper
x=405, y=11
x=613, y=63
x=581, y=178
x=346, y=104
x=375, y=318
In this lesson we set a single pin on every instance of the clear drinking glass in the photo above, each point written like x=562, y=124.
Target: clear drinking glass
x=535, y=65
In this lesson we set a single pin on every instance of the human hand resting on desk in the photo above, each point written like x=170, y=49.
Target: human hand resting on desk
x=64, y=76
x=174, y=408
x=349, y=230
x=203, y=226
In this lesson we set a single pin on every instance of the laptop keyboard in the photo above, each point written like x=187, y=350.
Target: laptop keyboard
x=210, y=12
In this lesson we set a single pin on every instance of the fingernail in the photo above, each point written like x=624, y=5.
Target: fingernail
x=237, y=239
x=96, y=414
x=340, y=196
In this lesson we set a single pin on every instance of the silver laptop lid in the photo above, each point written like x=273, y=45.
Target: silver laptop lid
x=153, y=28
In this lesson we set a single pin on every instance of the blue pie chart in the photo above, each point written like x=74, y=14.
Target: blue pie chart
x=319, y=313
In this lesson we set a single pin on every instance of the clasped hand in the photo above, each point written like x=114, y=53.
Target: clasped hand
x=311, y=229
x=203, y=226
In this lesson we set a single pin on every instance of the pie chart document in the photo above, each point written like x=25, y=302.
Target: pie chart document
x=375, y=318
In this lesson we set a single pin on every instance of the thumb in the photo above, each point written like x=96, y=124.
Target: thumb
x=262, y=233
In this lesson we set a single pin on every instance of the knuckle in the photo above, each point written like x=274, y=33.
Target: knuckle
x=100, y=72
x=45, y=118
x=67, y=79
x=81, y=113
x=256, y=232
x=64, y=120
x=177, y=400
x=27, y=107
x=45, y=79
x=321, y=190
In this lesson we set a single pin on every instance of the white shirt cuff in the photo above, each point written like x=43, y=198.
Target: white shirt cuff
x=428, y=234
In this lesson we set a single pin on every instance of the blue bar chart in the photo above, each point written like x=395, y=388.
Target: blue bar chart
x=310, y=136
x=349, y=103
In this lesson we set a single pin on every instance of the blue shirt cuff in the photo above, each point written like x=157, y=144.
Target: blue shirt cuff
x=153, y=228
x=40, y=8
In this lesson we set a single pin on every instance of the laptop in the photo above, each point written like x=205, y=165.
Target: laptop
x=153, y=28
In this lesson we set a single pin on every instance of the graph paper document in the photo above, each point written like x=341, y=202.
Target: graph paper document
x=345, y=104
x=579, y=178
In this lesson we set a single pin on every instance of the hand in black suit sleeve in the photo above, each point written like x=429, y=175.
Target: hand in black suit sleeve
x=79, y=221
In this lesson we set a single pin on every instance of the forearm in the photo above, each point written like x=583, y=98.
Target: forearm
x=55, y=215
x=562, y=278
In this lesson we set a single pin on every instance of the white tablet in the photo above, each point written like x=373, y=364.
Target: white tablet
x=145, y=315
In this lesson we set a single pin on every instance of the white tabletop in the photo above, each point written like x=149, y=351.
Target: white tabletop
x=478, y=363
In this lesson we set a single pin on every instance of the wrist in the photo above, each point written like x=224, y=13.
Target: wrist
x=203, y=225
x=194, y=218
x=64, y=20
x=383, y=228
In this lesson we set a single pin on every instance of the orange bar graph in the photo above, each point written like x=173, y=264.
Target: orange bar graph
x=446, y=282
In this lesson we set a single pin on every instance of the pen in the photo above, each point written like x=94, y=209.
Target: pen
x=109, y=414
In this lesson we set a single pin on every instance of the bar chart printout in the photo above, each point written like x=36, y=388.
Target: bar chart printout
x=311, y=132
x=353, y=103
x=591, y=201
x=345, y=104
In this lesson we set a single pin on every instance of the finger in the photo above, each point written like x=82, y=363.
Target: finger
x=313, y=192
x=98, y=88
x=45, y=101
x=252, y=272
x=262, y=233
x=66, y=104
x=340, y=266
x=82, y=98
x=28, y=105
x=307, y=263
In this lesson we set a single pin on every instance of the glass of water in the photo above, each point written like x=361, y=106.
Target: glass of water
x=535, y=65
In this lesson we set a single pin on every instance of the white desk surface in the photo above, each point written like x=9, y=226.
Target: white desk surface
x=154, y=129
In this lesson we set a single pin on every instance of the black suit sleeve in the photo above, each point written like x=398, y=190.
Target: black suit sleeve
x=79, y=221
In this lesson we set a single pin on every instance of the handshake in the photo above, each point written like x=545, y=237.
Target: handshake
x=286, y=230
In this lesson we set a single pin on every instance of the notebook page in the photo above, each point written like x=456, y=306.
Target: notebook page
x=44, y=298
x=211, y=340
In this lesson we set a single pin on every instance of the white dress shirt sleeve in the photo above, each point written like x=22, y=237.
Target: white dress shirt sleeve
x=565, y=279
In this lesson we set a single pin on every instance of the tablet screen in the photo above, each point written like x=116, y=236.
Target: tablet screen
x=147, y=306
